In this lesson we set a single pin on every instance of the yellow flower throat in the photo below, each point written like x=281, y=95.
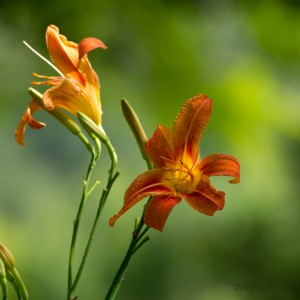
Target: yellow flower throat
x=182, y=176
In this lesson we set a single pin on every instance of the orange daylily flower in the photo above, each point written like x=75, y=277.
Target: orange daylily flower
x=180, y=172
x=76, y=90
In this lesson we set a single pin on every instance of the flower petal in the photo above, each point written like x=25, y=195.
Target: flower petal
x=63, y=53
x=158, y=210
x=89, y=44
x=190, y=124
x=147, y=184
x=206, y=199
x=27, y=118
x=92, y=85
x=159, y=148
x=221, y=164
x=71, y=96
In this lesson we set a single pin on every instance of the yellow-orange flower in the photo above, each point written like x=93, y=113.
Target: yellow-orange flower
x=76, y=90
x=180, y=172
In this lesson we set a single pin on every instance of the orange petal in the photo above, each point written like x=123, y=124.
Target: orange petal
x=221, y=165
x=158, y=210
x=159, y=148
x=147, y=184
x=89, y=44
x=27, y=118
x=63, y=53
x=206, y=199
x=92, y=85
x=71, y=96
x=190, y=124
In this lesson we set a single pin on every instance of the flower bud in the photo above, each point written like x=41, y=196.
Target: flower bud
x=137, y=129
x=92, y=128
x=2, y=270
x=6, y=257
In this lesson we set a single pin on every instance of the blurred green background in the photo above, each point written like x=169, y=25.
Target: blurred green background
x=246, y=56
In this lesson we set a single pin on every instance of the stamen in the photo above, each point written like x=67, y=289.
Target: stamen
x=44, y=59
x=51, y=80
x=42, y=76
x=174, y=162
x=179, y=181
x=178, y=170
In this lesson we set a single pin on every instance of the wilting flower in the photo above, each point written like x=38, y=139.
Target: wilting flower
x=76, y=90
x=180, y=172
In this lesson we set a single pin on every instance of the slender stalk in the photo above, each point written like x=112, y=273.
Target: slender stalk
x=133, y=247
x=4, y=288
x=96, y=132
x=137, y=240
x=3, y=281
x=20, y=286
x=77, y=222
x=120, y=274
x=102, y=201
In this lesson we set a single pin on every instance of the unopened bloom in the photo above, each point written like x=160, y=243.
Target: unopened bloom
x=6, y=257
x=76, y=90
x=180, y=172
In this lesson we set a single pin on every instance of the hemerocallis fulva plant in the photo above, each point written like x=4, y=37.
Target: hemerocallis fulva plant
x=77, y=89
x=175, y=169
x=179, y=172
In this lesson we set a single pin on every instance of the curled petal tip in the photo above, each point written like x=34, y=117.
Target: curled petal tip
x=19, y=139
x=89, y=44
x=112, y=221
x=114, y=218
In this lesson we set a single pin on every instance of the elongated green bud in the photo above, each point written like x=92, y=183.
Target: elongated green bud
x=3, y=280
x=98, y=131
x=135, y=126
x=137, y=129
x=2, y=269
x=92, y=128
x=6, y=257
x=8, y=271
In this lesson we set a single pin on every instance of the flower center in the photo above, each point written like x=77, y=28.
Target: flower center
x=182, y=176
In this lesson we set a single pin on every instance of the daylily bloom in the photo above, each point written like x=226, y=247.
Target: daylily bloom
x=77, y=89
x=180, y=172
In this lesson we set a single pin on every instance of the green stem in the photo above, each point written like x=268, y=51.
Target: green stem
x=3, y=283
x=137, y=240
x=96, y=132
x=133, y=247
x=102, y=201
x=77, y=222
x=21, y=289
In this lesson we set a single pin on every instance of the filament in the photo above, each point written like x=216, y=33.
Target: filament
x=44, y=59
